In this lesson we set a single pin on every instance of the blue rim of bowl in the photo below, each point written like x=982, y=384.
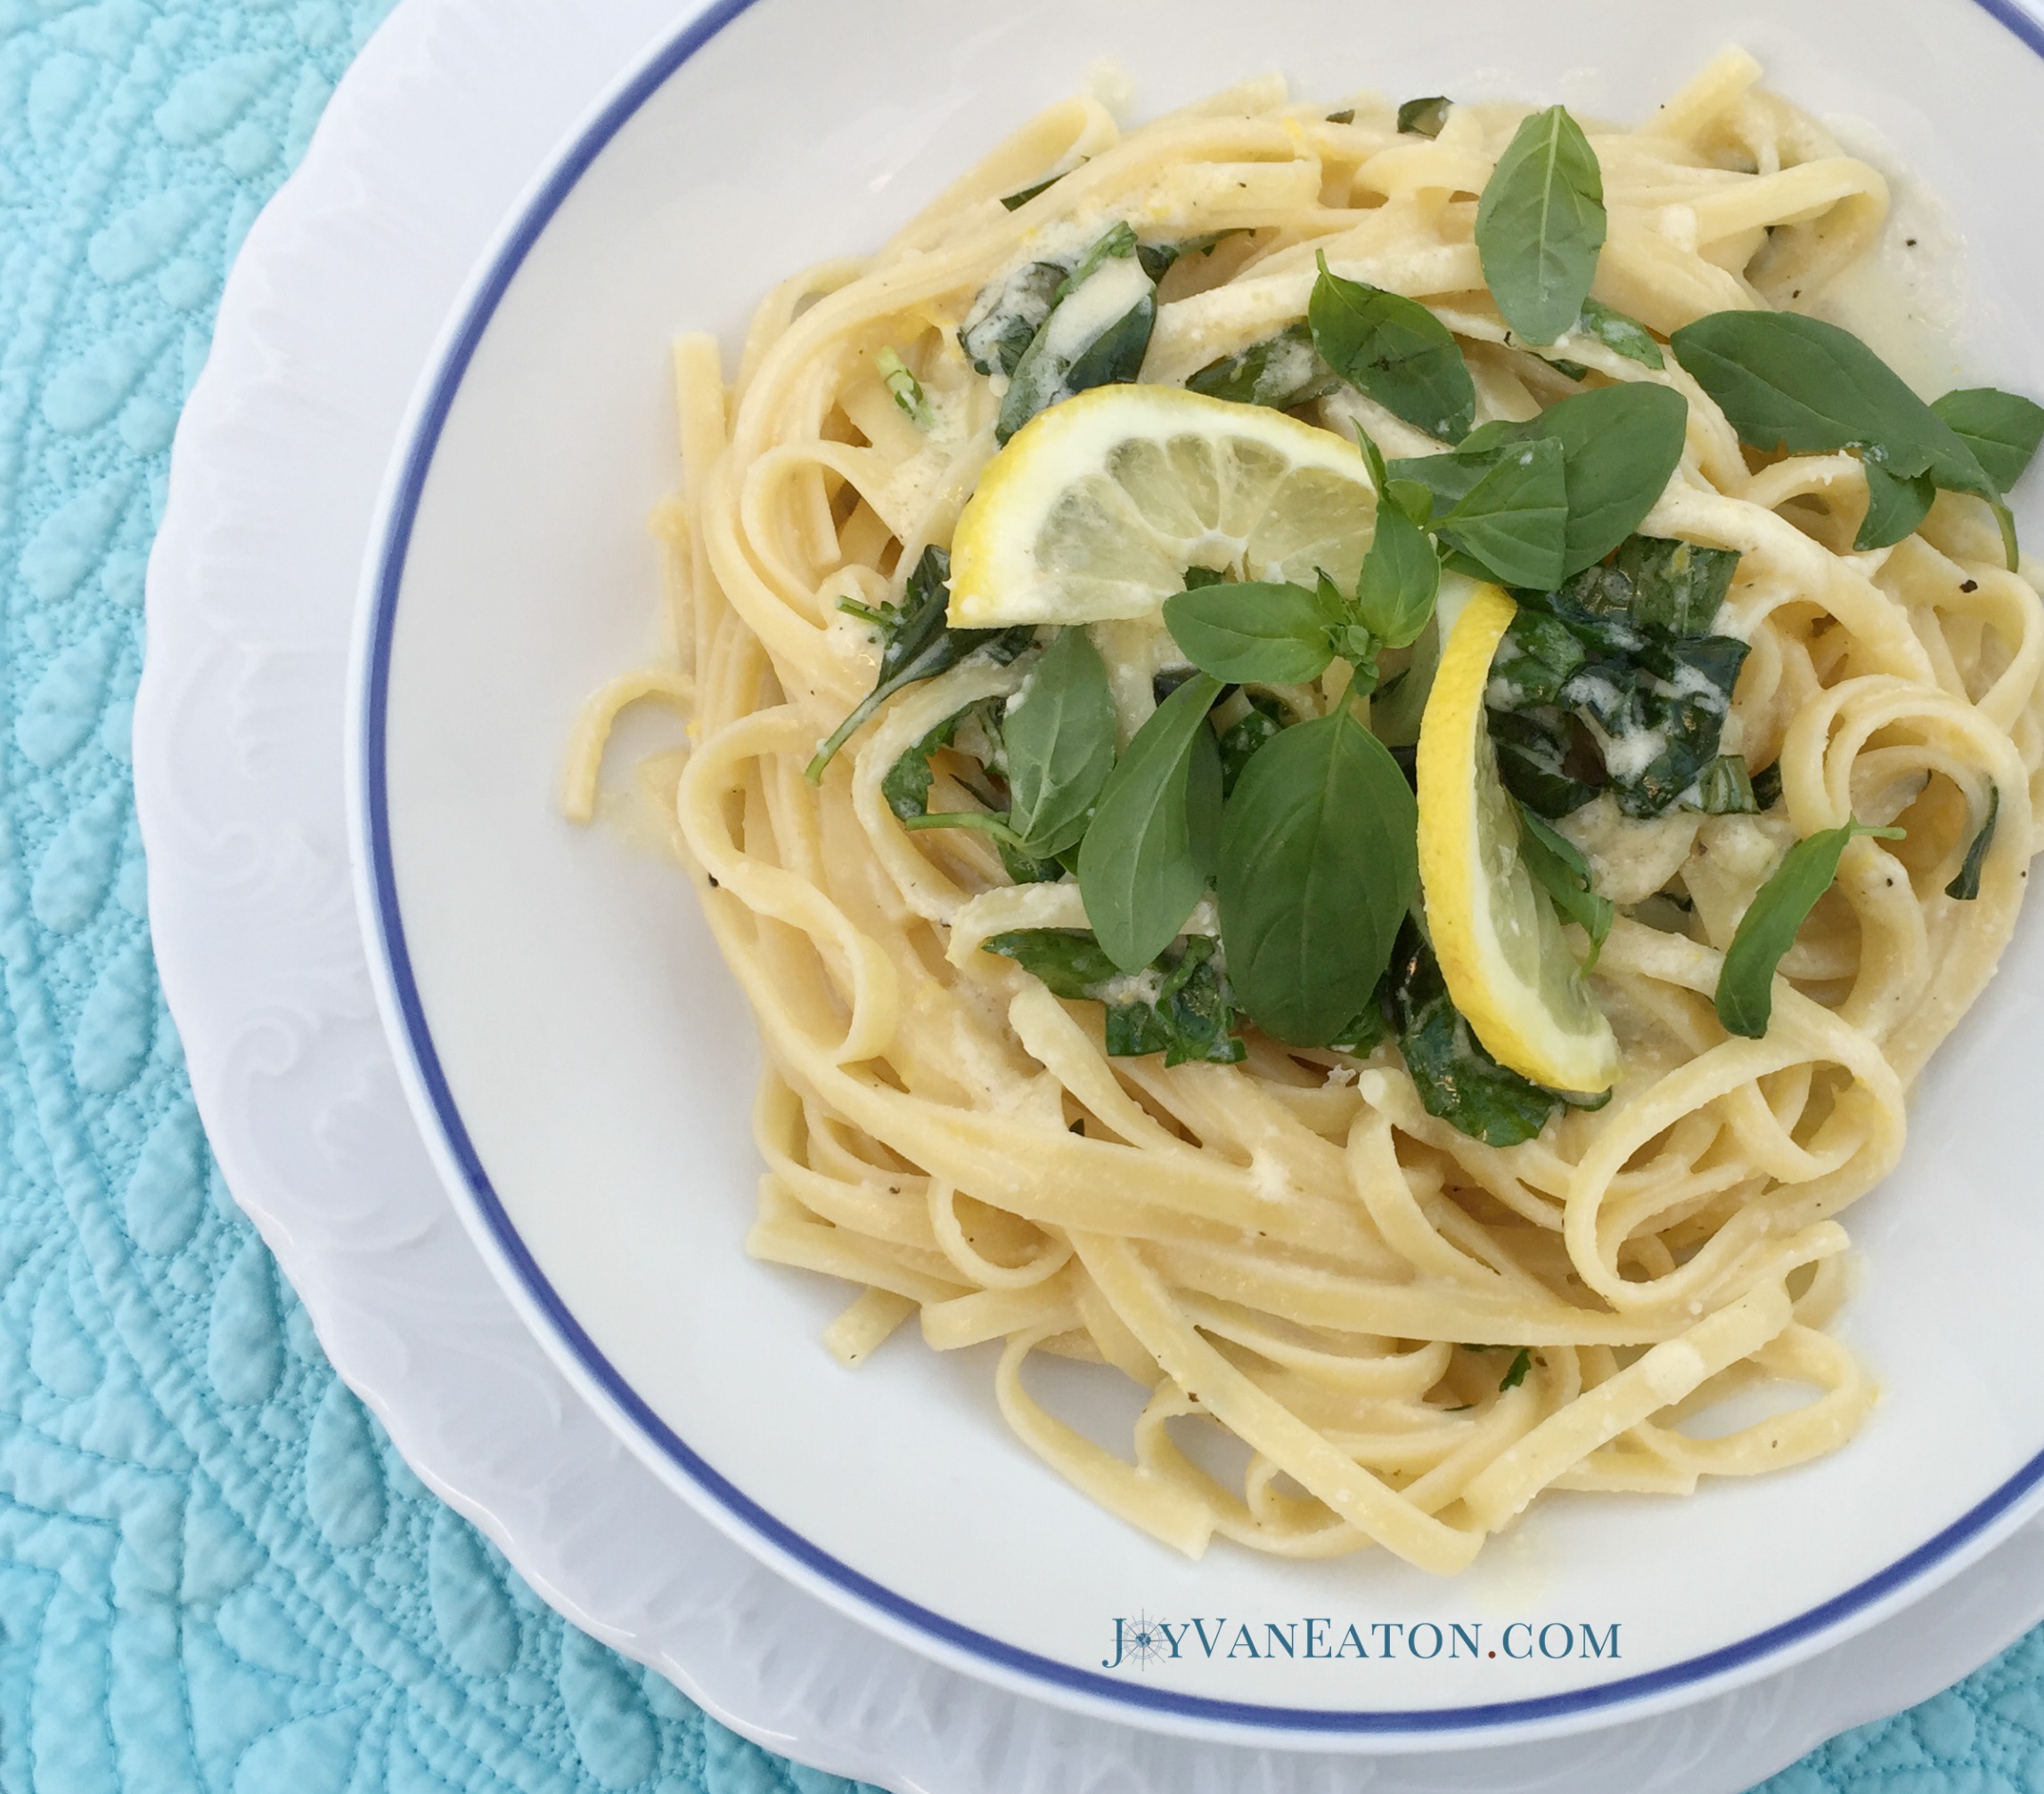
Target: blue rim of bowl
x=401, y=514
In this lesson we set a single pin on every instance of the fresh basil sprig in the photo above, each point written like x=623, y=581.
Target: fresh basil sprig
x=1395, y=350
x=1401, y=574
x=1767, y=929
x=917, y=644
x=1559, y=869
x=1533, y=503
x=1785, y=382
x=1966, y=885
x=2001, y=429
x=1155, y=835
x=1318, y=864
x=1180, y=1006
x=1541, y=224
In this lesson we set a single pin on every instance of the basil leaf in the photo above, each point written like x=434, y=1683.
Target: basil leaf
x=1155, y=835
x=1575, y=370
x=916, y=645
x=1006, y=316
x=1767, y=929
x=1620, y=447
x=1533, y=662
x=1724, y=789
x=1400, y=579
x=1241, y=739
x=2001, y=429
x=1966, y=887
x=1179, y=1006
x=1539, y=225
x=1515, y=1372
x=1395, y=350
x=906, y=787
x=1067, y=961
x=1318, y=864
x=1785, y=382
x=1559, y=869
x=1458, y=1081
x=1513, y=520
x=1425, y=116
x=1281, y=371
x=1271, y=635
x=1767, y=786
x=1677, y=587
x=1896, y=506
x=1538, y=761
x=1024, y=870
x=1095, y=332
x=1620, y=334
x=1015, y=202
x=1060, y=730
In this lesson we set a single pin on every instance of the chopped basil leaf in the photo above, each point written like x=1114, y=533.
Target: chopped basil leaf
x=1767, y=786
x=1626, y=650
x=1347, y=116
x=1574, y=370
x=1767, y=929
x=1517, y=1373
x=904, y=388
x=1006, y=316
x=1282, y=370
x=1179, y=1006
x=1620, y=334
x=1015, y=202
x=917, y=644
x=1457, y=1079
x=1094, y=333
x=1724, y=789
x=1966, y=887
x=1425, y=116
x=1558, y=868
x=1541, y=224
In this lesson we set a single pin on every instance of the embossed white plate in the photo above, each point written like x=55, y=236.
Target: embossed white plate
x=238, y=739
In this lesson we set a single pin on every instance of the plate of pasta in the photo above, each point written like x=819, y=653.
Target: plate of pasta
x=1279, y=984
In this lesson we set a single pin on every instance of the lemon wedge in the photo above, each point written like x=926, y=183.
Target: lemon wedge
x=1096, y=506
x=1506, y=962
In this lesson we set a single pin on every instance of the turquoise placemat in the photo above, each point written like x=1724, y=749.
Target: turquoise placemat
x=215, y=1573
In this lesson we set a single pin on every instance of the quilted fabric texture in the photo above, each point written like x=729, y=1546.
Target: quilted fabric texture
x=215, y=1573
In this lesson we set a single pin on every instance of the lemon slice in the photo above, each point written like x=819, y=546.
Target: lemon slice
x=1096, y=506
x=1506, y=962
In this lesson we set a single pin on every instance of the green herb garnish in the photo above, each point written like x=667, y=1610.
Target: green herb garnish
x=1179, y=1006
x=904, y=388
x=1558, y=866
x=1794, y=383
x=1541, y=224
x=917, y=644
x=1395, y=350
x=1966, y=886
x=1620, y=334
x=1424, y=117
x=1515, y=1373
x=1767, y=929
x=1318, y=865
x=1154, y=836
x=2001, y=429
x=1282, y=370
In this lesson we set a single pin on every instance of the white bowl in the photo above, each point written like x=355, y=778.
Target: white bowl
x=582, y=1066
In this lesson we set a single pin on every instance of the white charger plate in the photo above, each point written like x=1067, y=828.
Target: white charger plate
x=578, y=1055
x=325, y=324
